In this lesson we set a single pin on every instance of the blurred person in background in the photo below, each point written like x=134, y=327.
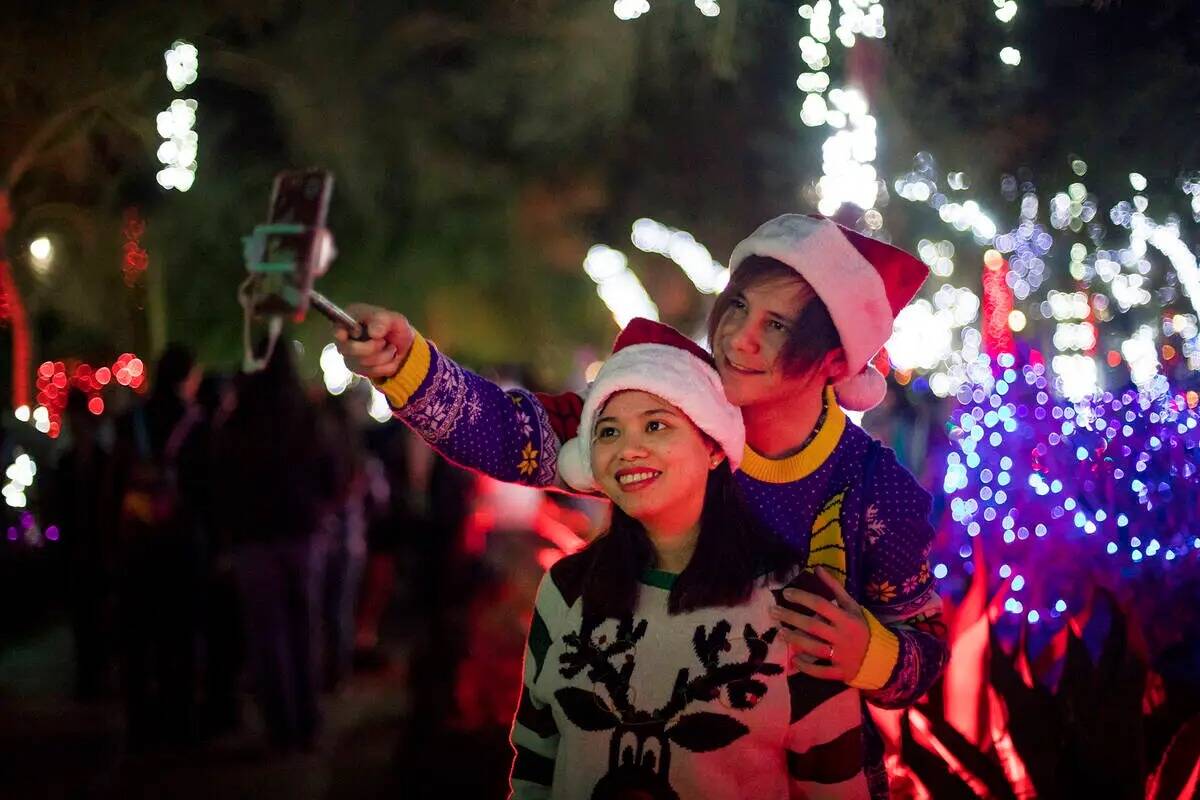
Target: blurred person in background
x=159, y=561
x=75, y=501
x=221, y=634
x=346, y=415
x=276, y=481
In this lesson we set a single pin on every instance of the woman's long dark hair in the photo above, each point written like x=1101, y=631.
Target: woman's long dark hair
x=733, y=550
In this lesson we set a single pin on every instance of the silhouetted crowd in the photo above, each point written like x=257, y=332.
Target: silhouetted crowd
x=226, y=535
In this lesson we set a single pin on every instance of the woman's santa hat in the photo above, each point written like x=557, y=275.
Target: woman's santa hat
x=862, y=281
x=651, y=357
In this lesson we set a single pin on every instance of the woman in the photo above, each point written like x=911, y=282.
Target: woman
x=808, y=306
x=654, y=665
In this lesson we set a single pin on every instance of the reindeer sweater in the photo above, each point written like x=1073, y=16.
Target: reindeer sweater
x=842, y=501
x=701, y=705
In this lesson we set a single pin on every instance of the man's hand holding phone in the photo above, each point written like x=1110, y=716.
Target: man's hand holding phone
x=381, y=356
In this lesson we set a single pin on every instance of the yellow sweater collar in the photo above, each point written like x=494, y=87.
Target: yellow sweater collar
x=810, y=457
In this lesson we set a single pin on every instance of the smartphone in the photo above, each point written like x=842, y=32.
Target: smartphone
x=299, y=197
x=809, y=582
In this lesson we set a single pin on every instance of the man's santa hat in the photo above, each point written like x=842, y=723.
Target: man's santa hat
x=651, y=357
x=862, y=281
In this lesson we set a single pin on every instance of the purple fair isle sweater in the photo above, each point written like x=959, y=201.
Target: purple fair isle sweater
x=843, y=502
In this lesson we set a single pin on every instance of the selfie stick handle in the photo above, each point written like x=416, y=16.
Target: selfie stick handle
x=335, y=314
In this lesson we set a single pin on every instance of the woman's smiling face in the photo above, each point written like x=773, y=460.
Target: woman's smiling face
x=651, y=460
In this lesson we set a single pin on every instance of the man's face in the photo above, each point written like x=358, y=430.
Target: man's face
x=750, y=340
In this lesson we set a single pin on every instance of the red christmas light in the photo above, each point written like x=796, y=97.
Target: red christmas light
x=53, y=383
x=997, y=305
x=135, y=259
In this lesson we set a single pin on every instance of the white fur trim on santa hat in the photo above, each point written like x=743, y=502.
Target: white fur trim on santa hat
x=863, y=391
x=673, y=374
x=846, y=282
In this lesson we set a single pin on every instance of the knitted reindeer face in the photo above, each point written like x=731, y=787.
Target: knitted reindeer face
x=651, y=460
x=642, y=737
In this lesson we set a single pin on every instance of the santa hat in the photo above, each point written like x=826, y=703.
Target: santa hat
x=862, y=281
x=651, y=357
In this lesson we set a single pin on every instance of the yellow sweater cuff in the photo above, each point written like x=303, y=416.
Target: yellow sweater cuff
x=883, y=649
x=400, y=387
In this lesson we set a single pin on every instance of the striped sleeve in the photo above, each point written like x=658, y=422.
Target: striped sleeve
x=535, y=735
x=507, y=435
x=825, y=740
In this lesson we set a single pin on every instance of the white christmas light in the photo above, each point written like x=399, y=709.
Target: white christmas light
x=921, y=337
x=706, y=274
x=1010, y=56
x=20, y=477
x=617, y=286
x=333, y=370
x=1141, y=354
x=176, y=124
x=379, y=410
x=626, y=10
x=183, y=64
x=41, y=249
x=1076, y=376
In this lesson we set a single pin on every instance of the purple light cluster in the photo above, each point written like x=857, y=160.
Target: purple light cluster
x=1061, y=495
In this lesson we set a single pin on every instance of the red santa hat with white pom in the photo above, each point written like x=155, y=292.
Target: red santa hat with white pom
x=652, y=357
x=862, y=281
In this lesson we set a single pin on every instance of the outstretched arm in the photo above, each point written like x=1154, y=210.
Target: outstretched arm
x=508, y=435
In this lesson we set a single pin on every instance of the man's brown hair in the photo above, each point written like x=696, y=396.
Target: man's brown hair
x=810, y=336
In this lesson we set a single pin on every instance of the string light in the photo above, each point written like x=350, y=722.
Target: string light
x=338, y=378
x=617, y=286
x=56, y=378
x=705, y=273
x=176, y=125
x=1037, y=479
x=183, y=65
x=626, y=10
x=336, y=375
x=20, y=476
x=848, y=154
x=1114, y=280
